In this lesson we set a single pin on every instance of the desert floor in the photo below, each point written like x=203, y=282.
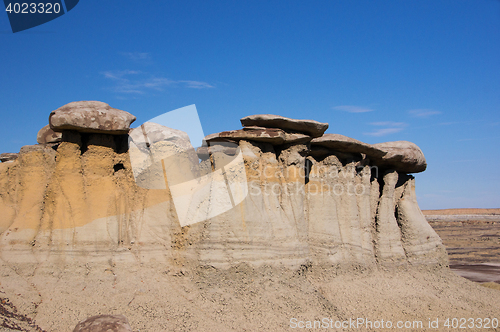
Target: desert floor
x=472, y=239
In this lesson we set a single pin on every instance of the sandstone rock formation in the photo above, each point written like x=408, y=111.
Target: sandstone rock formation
x=47, y=135
x=104, y=323
x=91, y=117
x=85, y=197
x=310, y=127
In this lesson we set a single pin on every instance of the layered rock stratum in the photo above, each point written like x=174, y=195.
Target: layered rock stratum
x=92, y=216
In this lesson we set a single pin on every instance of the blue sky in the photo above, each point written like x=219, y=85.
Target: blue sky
x=422, y=71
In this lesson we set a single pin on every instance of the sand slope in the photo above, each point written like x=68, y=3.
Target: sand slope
x=243, y=298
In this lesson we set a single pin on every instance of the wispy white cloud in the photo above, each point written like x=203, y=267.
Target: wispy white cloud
x=118, y=74
x=352, y=109
x=391, y=127
x=383, y=131
x=196, y=84
x=138, y=82
x=423, y=112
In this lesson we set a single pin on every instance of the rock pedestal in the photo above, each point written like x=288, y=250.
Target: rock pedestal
x=331, y=200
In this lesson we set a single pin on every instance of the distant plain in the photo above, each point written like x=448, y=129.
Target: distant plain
x=472, y=239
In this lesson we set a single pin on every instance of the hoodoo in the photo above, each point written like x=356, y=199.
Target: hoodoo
x=256, y=227
x=312, y=197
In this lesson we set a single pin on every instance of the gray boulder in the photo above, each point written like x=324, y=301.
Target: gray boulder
x=47, y=135
x=150, y=133
x=91, y=117
x=310, y=127
x=346, y=144
x=402, y=156
x=6, y=157
x=104, y=323
x=155, y=149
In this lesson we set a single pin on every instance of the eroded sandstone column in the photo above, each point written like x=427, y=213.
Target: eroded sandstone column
x=421, y=243
x=389, y=248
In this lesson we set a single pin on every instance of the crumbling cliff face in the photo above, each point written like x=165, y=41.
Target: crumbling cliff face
x=311, y=198
x=337, y=209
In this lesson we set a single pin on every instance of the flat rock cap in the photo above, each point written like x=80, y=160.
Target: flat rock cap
x=403, y=156
x=91, y=117
x=310, y=127
x=274, y=136
x=259, y=134
x=346, y=144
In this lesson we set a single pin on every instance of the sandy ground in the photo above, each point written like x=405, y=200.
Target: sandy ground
x=241, y=298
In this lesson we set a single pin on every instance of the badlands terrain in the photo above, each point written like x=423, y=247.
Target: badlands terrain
x=272, y=227
x=472, y=240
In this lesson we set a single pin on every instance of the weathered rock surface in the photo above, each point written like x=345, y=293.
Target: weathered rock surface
x=403, y=156
x=346, y=144
x=389, y=246
x=91, y=117
x=104, y=323
x=417, y=235
x=47, y=135
x=5, y=157
x=155, y=149
x=151, y=132
x=310, y=127
x=273, y=136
